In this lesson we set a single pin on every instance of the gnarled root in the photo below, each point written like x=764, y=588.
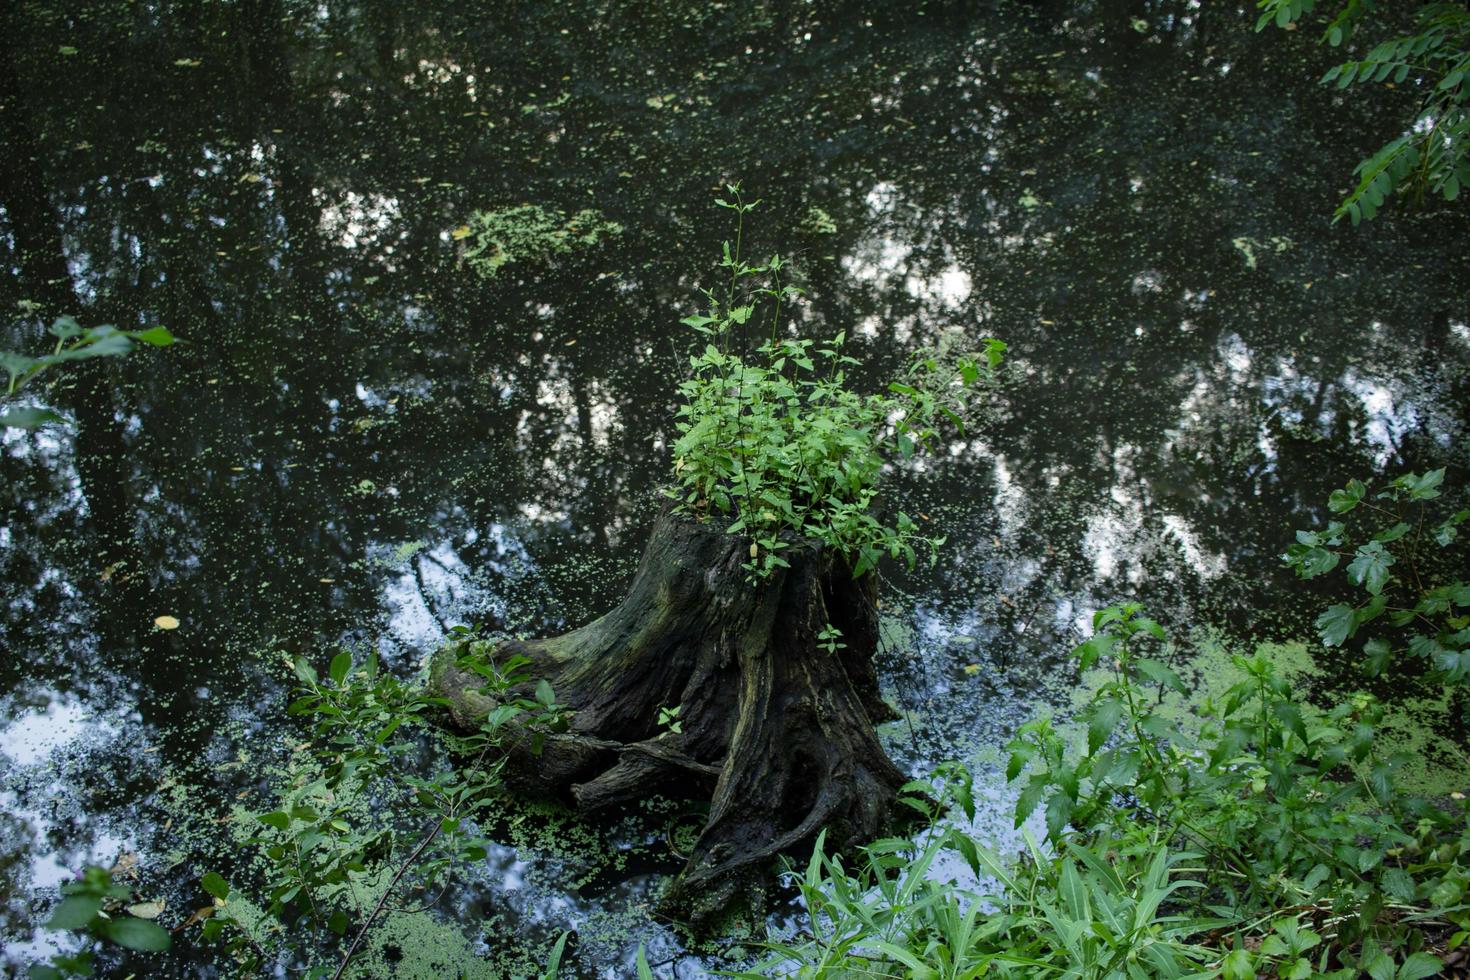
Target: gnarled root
x=776, y=729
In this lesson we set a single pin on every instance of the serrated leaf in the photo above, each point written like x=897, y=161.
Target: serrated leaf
x=1336, y=624
x=1058, y=812
x=1029, y=799
x=1370, y=567
x=1418, y=966
x=1291, y=716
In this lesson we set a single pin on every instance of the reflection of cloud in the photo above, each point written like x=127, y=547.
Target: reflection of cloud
x=36, y=734
x=359, y=219
x=1391, y=412
x=883, y=261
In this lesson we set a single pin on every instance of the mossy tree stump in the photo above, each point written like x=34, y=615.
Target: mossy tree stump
x=776, y=729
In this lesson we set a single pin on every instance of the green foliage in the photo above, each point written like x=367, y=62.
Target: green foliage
x=668, y=719
x=96, y=906
x=1412, y=598
x=529, y=232
x=1430, y=155
x=73, y=343
x=772, y=437
x=1295, y=812
x=1271, y=840
x=357, y=826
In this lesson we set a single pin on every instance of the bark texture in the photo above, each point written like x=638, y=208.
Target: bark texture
x=777, y=732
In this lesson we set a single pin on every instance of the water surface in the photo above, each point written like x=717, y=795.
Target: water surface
x=363, y=442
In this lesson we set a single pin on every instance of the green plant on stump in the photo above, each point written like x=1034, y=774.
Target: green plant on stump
x=773, y=436
x=754, y=608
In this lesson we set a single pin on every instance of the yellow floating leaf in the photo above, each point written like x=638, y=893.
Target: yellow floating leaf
x=463, y=231
x=147, y=910
x=166, y=623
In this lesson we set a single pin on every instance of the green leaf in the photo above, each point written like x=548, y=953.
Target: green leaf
x=277, y=819
x=1336, y=624
x=1420, y=965
x=65, y=328
x=1237, y=966
x=1074, y=893
x=305, y=671
x=341, y=664
x=1369, y=567
x=387, y=730
x=29, y=418
x=75, y=912
x=1058, y=812
x=544, y=694
x=1291, y=716
x=1393, y=533
x=644, y=973
x=215, y=886
x=155, y=337
x=1426, y=487
x=1342, y=501
x=139, y=934
x=1105, y=715
x=1029, y=799
x=1160, y=675
x=1377, y=651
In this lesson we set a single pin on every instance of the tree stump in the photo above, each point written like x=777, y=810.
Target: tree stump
x=777, y=730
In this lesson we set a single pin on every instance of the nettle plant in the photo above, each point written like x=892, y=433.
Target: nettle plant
x=772, y=437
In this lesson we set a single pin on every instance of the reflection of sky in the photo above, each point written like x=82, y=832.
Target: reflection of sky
x=42, y=753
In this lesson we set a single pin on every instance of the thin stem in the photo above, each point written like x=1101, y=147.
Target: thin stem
x=383, y=901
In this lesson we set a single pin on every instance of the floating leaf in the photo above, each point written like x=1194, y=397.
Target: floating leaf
x=147, y=910
x=166, y=622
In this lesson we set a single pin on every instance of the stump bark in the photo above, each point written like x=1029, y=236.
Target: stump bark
x=777, y=731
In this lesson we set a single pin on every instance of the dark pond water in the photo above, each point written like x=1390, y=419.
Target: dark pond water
x=364, y=442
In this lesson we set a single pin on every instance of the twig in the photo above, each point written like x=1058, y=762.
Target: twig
x=382, y=902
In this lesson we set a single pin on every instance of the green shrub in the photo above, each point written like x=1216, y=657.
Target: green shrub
x=773, y=438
